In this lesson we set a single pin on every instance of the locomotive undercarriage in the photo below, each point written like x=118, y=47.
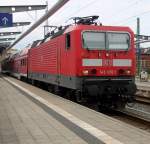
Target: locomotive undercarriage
x=111, y=93
x=106, y=92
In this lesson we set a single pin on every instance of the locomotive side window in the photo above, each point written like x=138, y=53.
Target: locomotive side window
x=118, y=41
x=68, y=41
x=94, y=40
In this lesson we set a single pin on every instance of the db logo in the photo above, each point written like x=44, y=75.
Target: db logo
x=107, y=62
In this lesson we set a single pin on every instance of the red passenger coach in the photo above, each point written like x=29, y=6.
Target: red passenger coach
x=18, y=64
x=23, y=63
x=89, y=60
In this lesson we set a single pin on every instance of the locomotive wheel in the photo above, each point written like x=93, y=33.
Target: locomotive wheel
x=68, y=95
x=102, y=108
x=38, y=84
x=32, y=82
x=50, y=88
x=78, y=97
x=56, y=90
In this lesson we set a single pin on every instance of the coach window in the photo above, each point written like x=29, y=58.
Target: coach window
x=68, y=41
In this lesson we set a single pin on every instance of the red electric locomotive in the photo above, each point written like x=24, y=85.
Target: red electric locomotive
x=88, y=61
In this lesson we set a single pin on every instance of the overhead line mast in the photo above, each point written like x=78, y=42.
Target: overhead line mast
x=138, y=46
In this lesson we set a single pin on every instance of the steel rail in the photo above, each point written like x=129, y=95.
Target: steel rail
x=142, y=99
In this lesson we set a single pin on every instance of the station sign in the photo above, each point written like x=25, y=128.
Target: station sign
x=6, y=20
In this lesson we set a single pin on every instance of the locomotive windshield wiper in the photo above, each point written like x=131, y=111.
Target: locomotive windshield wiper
x=87, y=48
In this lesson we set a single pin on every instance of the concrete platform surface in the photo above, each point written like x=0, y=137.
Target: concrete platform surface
x=140, y=83
x=116, y=129
x=24, y=122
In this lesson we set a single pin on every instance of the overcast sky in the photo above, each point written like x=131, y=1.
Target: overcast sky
x=111, y=12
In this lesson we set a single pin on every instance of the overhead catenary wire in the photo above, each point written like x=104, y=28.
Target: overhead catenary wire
x=133, y=17
x=131, y=5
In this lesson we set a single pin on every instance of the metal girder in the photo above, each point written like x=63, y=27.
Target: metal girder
x=6, y=39
x=54, y=9
x=21, y=8
x=15, y=24
x=142, y=37
x=142, y=41
x=9, y=33
x=4, y=43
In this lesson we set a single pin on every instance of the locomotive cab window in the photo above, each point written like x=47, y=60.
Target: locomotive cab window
x=68, y=41
x=94, y=40
x=118, y=41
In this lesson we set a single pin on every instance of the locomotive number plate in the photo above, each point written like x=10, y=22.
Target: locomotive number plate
x=107, y=72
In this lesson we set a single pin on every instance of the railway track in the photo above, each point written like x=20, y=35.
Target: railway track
x=131, y=118
x=136, y=114
x=143, y=93
x=143, y=99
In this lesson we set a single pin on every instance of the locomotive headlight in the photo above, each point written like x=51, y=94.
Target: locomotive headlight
x=128, y=72
x=85, y=72
x=122, y=72
x=107, y=54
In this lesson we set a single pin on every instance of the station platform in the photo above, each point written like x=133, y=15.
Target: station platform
x=32, y=115
x=24, y=122
x=146, y=84
x=138, y=81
